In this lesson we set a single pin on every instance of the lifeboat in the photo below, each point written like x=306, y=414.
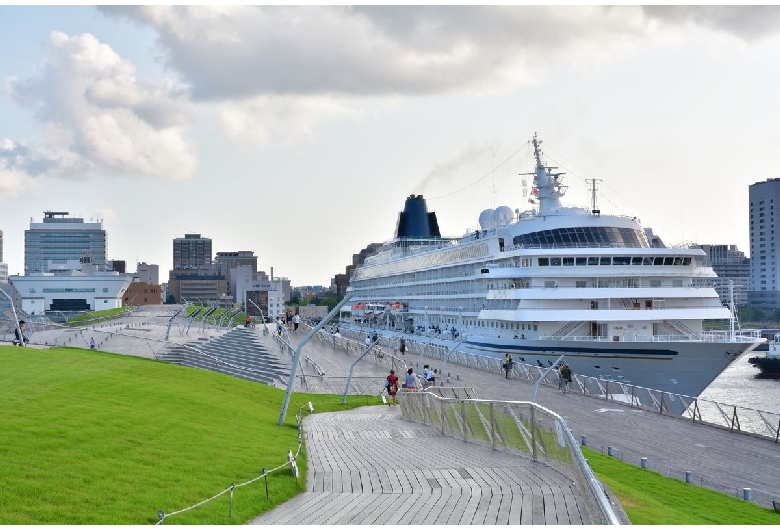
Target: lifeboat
x=358, y=309
x=395, y=306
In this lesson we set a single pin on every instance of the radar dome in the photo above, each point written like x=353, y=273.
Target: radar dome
x=487, y=219
x=504, y=215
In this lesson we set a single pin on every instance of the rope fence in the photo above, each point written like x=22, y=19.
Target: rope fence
x=291, y=462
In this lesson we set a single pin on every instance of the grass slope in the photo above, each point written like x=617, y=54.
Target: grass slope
x=94, y=438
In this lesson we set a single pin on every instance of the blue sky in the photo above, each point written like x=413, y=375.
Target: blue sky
x=297, y=133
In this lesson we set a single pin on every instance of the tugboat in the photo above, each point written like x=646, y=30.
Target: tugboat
x=770, y=363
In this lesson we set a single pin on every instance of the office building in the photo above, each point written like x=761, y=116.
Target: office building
x=61, y=244
x=733, y=269
x=147, y=273
x=191, y=252
x=764, y=232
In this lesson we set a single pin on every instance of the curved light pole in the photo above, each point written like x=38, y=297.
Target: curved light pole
x=16, y=319
x=297, y=356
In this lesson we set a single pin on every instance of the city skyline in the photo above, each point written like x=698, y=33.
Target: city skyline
x=297, y=133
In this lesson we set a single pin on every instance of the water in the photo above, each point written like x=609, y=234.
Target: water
x=737, y=385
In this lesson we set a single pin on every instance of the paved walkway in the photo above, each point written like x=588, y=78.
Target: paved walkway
x=369, y=466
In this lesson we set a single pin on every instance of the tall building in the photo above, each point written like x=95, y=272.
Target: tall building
x=731, y=265
x=191, y=252
x=764, y=233
x=61, y=244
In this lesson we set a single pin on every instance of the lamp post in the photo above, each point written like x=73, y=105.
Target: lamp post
x=16, y=319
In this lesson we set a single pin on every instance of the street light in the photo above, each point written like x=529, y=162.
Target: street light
x=16, y=319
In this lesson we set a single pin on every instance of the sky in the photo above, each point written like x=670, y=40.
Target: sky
x=298, y=132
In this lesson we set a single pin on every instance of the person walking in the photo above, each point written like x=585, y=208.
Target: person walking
x=508, y=364
x=92, y=343
x=391, y=384
x=403, y=346
x=561, y=379
x=411, y=380
x=296, y=321
x=566, y=376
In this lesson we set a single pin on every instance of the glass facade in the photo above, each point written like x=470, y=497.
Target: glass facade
x=53, y=243
x=587, y=236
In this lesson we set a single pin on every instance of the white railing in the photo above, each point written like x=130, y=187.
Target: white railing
x=516, y=427
x=721, y=415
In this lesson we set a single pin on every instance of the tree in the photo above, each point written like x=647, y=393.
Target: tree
x=170, y=299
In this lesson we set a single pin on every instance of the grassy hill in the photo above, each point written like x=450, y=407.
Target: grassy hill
x=94, y=438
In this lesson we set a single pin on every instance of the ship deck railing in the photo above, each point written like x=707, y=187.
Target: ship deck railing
x=707, y=336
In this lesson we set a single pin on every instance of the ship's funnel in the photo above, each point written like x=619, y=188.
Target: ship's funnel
x=415, y=221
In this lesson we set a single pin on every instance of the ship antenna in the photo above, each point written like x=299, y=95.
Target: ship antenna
x=594, y=210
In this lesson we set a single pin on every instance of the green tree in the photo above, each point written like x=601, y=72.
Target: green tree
x=170, y=299
x=759, y=315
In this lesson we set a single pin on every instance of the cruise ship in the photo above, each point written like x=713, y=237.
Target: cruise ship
x=554, y=280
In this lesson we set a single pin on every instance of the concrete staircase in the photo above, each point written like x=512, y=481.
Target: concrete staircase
x=239, y=353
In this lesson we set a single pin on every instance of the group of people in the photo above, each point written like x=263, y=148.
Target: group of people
x=391, y=384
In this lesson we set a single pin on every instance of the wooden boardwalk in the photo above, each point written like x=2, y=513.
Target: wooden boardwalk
x=369, y=466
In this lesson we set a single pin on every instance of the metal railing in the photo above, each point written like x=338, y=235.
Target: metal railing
x=516, y=427
x=733, y=418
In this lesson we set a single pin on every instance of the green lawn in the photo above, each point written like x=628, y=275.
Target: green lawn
x=88, y=437
x=650, y=498
x=95, y=438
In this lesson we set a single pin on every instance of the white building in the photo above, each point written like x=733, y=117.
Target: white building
x=74, y=291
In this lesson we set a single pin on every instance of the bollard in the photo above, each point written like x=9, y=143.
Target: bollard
x=584, y=441
x=644, y=462
x=746, y=494
x=609, y=450
x=687, y=477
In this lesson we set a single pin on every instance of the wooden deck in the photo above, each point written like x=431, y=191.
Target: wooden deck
x=368, y=466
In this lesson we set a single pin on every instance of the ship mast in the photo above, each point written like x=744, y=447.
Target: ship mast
x=548, y=183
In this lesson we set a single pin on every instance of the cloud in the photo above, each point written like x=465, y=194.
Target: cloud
x=260, y=121
x=97, y=118
x=242, y=52
x=13, y=181
x=246, y=51
x=748, y=23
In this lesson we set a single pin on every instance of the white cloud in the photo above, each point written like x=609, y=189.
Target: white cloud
x=98, y=119
x=245, y=51
x=263, y=120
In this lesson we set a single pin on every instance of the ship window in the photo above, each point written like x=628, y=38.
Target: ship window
x=580, y=283
x=568, y=262
x=658, y=261
x=580, y=261
x=544, y=262
x=555, y=261
x=525, y=262
x=647, y=261
x=605, y=260
x=668, y=261
x=593, y=261
x=676, y=283
x=686, y=261
x=655, y=283
x=534, y=327
x=621, y=260
x=636, y=260
x=678, y=261
x=549, y=283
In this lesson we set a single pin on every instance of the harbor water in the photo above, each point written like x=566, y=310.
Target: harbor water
x=738, y=385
